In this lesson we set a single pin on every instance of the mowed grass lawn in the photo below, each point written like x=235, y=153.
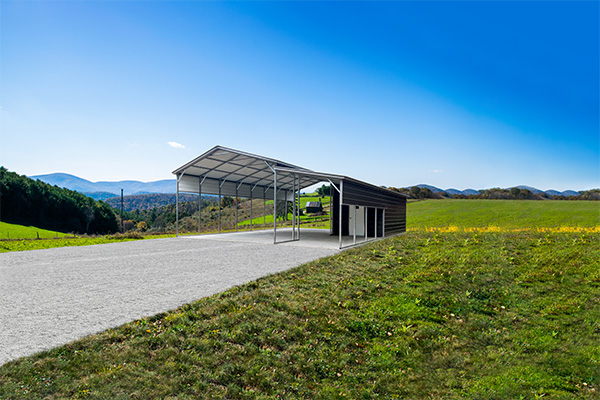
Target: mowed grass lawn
x=423, y=315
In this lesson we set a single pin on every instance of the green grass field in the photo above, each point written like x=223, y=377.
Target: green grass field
x=29, y=244
x=502, y=213
x=314, y=221
x=418, y=316
x=424, y=315
x=325, y=200
x=48, y=239
x=13, y=231
x=258, y=221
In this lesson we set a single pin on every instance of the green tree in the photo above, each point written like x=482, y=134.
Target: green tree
x=226, y=201
x=28, y=202
x=414, y=191
x=323, y=190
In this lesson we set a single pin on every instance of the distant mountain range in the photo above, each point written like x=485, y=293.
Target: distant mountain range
x=468, y=192
x=105, y=190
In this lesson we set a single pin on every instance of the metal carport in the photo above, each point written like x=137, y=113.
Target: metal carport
x=224, y=171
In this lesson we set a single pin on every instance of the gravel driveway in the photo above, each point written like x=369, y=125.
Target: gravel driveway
x=52, y=297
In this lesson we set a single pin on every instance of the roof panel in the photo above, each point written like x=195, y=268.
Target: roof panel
x=209, y=163
x=228, y=167
x=224, y=155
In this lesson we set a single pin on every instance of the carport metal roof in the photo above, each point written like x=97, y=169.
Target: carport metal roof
x=225, y=164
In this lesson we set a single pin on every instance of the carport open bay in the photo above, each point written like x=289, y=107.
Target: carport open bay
x=52, y=297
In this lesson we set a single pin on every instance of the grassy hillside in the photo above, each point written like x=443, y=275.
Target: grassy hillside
x=13, y=231
x=502, y=213
x=35, y=203
x=424, y=315
x=419, y=316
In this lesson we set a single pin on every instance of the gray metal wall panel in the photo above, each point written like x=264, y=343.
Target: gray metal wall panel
x=189, y=184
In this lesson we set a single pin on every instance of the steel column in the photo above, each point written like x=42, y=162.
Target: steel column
x=274, y=206
x=200, y=182
x=299, y=183
x=285, y=214
x=366, y=221
x=219, y=207
x=330, y=209
x=340, y=214
x=236, y=207
x=354, y=224
x=176, y=208
x=294, y=210
x=251, y=192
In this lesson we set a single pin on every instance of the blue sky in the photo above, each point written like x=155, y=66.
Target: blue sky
x=472, y=94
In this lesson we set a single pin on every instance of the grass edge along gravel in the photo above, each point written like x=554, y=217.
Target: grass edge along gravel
x=39, y=244
x=457, y=315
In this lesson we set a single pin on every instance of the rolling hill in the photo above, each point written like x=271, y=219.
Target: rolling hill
x=105, y=189
x=468, y=192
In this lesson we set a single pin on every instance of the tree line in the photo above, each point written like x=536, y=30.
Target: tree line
x=162, y=218
x=148, y=201
x=416, y=192
x=26, y=201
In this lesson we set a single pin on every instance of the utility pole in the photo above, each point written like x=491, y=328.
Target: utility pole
x=121, y=210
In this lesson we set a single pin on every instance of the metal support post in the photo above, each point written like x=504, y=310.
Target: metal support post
x=236, y=207
x=274, y=206
x=264, y=207
x=354, y=224
x=200, y=182
x=299, y=182
x=219, y=207
x=176, y=208
x=274, y=202
x=285, y=214
x=330, y=209
x=251, y=192
x=383, y=224
x=366, y=221
x=294, y=210
x=340, y=211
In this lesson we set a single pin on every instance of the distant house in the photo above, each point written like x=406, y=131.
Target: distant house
x=314, y=207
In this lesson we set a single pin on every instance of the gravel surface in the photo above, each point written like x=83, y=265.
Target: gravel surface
x=51, y=297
